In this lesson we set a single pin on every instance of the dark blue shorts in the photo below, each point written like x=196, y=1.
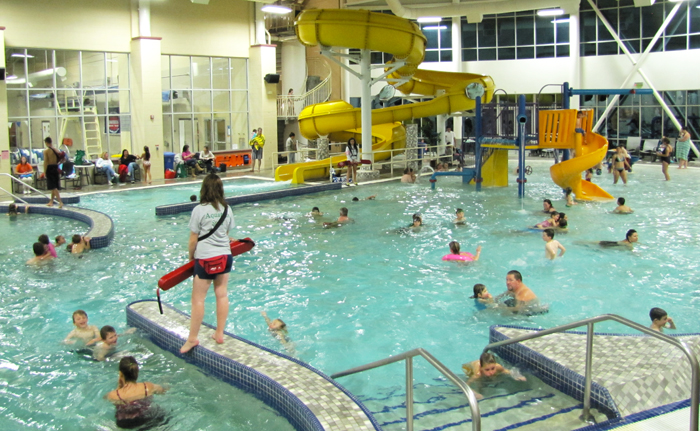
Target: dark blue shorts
x=199, y=270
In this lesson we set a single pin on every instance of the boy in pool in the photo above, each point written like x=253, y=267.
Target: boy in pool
x=315, y=212
x=660, y=320
x=276, y=327
x=552, y=245
x=88, y=334
x=79, y=244
x=41, y=254
x=108, y=342
x=622, y=208
x=460, y=217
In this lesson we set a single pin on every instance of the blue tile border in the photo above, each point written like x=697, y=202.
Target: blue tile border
x=237, y=200
x=101, y=233
x=68, y=199
x=636, y=417
x=237, y=374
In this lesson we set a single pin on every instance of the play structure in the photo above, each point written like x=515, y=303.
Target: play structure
x=368, y=31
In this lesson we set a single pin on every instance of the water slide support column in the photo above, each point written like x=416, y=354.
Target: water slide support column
x=522, y=120
x=477, y=144
x=366, y=106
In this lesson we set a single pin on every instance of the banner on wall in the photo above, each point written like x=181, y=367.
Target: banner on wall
x=113, y=124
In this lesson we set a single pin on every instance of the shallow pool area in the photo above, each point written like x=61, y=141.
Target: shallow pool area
x=349, y=295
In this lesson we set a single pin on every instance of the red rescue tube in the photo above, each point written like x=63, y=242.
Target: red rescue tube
x=187, y=270
x=346, y=162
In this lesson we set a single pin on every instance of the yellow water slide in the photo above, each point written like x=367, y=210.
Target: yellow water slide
x=359, y=29
x=557, y=130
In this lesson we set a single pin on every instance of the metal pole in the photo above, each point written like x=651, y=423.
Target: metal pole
x=409, y=394
x=586, y=415
x=522, y=119
x=366, y=105
x=477, y=144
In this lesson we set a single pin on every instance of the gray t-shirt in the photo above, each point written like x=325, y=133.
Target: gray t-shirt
x=203, y=219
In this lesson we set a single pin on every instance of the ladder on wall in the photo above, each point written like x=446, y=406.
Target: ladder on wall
x=92, y=136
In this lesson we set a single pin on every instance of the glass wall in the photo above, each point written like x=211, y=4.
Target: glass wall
x=511, y=36
x=205, y=103
x=637, y=26
x=78, y=98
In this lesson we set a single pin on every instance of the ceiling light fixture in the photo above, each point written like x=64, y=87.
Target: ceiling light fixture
x=561, y=21
x=276, y=8
x=550, y=12
x=18, y=55
x=424, y=19
x=435, y=27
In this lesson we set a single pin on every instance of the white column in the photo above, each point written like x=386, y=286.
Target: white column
x=457, y=63
x=144, y=17
x=575, y=56
x=366, y=105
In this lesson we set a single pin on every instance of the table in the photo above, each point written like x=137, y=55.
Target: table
x=83, y=171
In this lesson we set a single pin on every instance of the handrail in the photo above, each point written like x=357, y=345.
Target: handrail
x=13, y=178
x=286, y=105
x=695, y=372
x=408, y=357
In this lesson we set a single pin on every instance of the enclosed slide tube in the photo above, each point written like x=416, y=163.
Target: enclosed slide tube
x=359, y=29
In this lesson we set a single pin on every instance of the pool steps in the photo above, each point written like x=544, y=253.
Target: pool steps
x=308, y=399
x=101, y=226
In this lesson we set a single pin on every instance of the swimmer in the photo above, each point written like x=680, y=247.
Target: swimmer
x=630, y=238
x=552, y=245
x=589, y=175
x=368, y=198
x=88, y=334
x=44, y=239
x=569, y=197
x=132, y=400
x=547, y=207
x=523, y=296
x=486, y=367
x=13, y=210
x=481, y=294
x=315, y=212
x=460, y=217
x=41, y=254
x=108, y=342
x=408, y=176
x=417, y=222
x=552, y=221
x=660, y=320
x=79, y=244
x=193, y=198
x=454, y=250
x=342, y=219
x=276, y=327
x=60, y=240
x=622, y=208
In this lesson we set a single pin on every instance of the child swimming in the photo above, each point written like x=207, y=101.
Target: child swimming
x=621, y=207
x=88, y=334
x=660, y=320
x=460, y=217
x=276, y=327
x=486, y=367
x=108, y=342
x=482, y=298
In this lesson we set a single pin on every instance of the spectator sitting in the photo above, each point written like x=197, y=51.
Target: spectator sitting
x=25, y=172
x=104, y=164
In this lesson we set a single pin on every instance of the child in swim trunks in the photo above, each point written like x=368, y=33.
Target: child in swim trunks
x=622, y=208
x=108, y=342
x=88, y=334
x=660, y=320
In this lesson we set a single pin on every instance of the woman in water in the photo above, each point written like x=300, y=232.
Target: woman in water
x=664, y=154
x=619, y=165
x=630, y=238
x=683, y=148
x=132, y=399
x=455, y=253
x=209, y=247
x=353, y=153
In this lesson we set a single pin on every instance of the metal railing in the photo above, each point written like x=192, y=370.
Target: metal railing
x=408, y=357
x=291, y=106
x=17, y=180
x=586, y=415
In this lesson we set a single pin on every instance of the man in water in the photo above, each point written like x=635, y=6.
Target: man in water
x=630, y=238
x=343, y=219
x=524, y=298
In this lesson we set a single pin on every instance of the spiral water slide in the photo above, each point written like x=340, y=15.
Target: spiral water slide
x=557, y=130
x=359, y=29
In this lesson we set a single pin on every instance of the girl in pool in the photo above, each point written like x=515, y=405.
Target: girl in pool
x=455, y=254
x=132, y=399
x=569, y=197
x=88, y=334
x=486, y=366
x=481, y=296
x=553, y=221
x=209, y=247
x=146, y=156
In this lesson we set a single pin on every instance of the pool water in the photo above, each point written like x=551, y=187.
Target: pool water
x=350, y=295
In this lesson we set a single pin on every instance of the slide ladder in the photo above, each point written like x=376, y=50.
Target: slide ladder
x=92, y=135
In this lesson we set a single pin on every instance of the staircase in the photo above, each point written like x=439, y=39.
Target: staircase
x=92, y=136
x=289, y=107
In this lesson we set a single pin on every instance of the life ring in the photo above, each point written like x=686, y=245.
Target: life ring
x=186, y=271
x=462, y=257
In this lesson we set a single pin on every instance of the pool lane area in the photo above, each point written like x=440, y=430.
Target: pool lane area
x=306, y=397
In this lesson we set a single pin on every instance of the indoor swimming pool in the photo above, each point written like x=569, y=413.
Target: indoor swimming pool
x=349, y=295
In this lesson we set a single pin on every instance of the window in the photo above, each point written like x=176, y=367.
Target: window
x=439, y=40
x=511, y=36
x=205, y=103
x=61, y=94
x=637, y=26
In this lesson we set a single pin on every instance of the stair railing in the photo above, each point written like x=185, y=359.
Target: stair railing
x=586, y=416
x=408, y=357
